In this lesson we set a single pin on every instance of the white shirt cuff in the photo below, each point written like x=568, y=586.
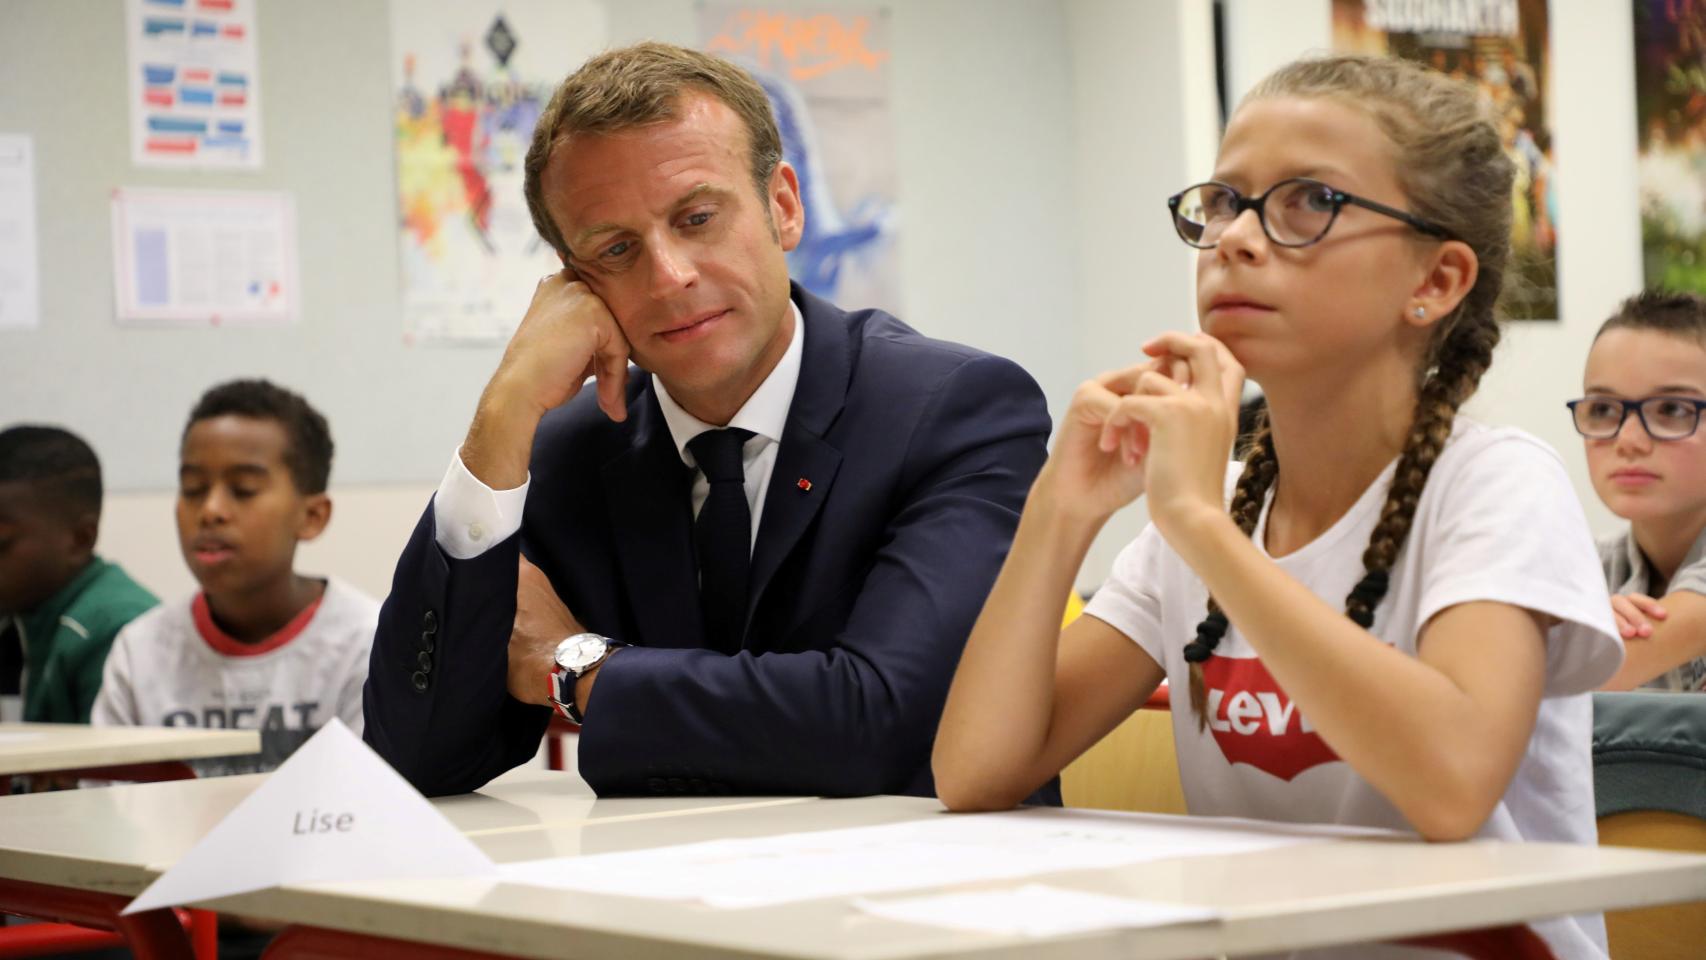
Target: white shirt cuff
x=469, y=517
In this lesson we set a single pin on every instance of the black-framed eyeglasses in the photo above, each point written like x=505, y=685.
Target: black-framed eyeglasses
x=1664, y=418
x=1294, y=213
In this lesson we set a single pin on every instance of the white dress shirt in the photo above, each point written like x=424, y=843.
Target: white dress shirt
x=469, y=517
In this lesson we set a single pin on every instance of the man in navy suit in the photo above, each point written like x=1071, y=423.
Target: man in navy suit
x=748, y=567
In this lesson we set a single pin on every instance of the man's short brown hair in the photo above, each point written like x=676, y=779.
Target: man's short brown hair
x=639, y=85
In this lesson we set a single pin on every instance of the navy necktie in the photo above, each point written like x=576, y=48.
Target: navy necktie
x=723, y=536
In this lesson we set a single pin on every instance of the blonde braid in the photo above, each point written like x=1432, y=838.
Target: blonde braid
x=1464, y=355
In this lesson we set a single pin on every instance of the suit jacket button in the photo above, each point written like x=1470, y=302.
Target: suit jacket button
x=677, y=785
x=656, y=785
x=426, y=640
x=430, y=621
x=420, y=680
x=425, y=660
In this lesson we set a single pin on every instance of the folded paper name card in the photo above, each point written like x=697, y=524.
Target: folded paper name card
x=334, y=811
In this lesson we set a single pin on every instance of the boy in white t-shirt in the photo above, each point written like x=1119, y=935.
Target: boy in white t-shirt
x=1645, y=385
x=261, y=646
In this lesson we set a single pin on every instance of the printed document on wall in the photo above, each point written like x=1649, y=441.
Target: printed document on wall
x=20, y=290
x=204, y=257
x=195, y=97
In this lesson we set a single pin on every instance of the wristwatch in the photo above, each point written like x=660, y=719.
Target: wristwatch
x=576, y=656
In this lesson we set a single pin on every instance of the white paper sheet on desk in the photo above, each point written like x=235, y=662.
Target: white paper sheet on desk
x=292, y=829
x=936, y=851
x=1033, y=910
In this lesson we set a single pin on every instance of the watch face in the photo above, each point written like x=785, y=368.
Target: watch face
x=579, y=652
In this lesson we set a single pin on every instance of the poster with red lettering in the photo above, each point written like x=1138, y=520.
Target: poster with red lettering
x=826, y=72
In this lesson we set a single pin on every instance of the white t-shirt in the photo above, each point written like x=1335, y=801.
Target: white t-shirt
x=1498, y=520
x=174, y=667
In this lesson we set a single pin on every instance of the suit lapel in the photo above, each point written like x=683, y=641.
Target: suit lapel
x=806, y=463
x=651, y=513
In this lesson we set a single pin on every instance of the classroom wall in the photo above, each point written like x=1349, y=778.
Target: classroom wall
x=1015, y=120
x=326, y=116
x=1035, y=140
x=1143, y=121
x=979, y=89
x=982, y=139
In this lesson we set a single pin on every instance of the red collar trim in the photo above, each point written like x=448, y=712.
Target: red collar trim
x=227, y=645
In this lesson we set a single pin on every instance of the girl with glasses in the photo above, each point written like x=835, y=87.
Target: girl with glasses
x=1640, y=421
x=1397, y=621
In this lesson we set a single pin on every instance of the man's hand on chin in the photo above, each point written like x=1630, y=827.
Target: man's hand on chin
x=568, y=335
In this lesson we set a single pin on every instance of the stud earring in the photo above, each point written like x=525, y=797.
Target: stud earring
x=1421, y=313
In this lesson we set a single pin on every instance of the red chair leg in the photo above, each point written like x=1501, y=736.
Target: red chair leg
x=154, y=935
x=203, y=926
x=53, y=939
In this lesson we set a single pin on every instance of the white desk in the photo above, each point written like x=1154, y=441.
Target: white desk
x=142, y=753
x=43, y=747
x=116, y=840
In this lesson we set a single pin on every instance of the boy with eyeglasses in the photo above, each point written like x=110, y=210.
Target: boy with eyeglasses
x=1645, y=386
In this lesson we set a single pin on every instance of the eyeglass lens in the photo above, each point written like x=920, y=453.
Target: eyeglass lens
x=1293, y=212
x=1666, y=418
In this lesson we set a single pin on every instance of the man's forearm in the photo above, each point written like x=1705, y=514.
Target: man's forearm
x=499, y=444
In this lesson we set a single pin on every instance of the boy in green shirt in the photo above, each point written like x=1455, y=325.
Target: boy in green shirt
x=60, y=604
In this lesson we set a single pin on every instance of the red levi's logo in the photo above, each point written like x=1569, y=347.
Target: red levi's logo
x=1256, y=723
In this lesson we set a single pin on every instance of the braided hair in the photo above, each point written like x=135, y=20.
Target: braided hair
x=1452, y=168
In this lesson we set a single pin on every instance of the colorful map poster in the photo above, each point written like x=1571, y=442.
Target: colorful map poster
x=1501, y=47
x=827, y=74
x=471, y=79
x=195, y=97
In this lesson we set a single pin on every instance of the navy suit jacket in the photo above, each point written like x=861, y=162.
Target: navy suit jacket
x=864, y=587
